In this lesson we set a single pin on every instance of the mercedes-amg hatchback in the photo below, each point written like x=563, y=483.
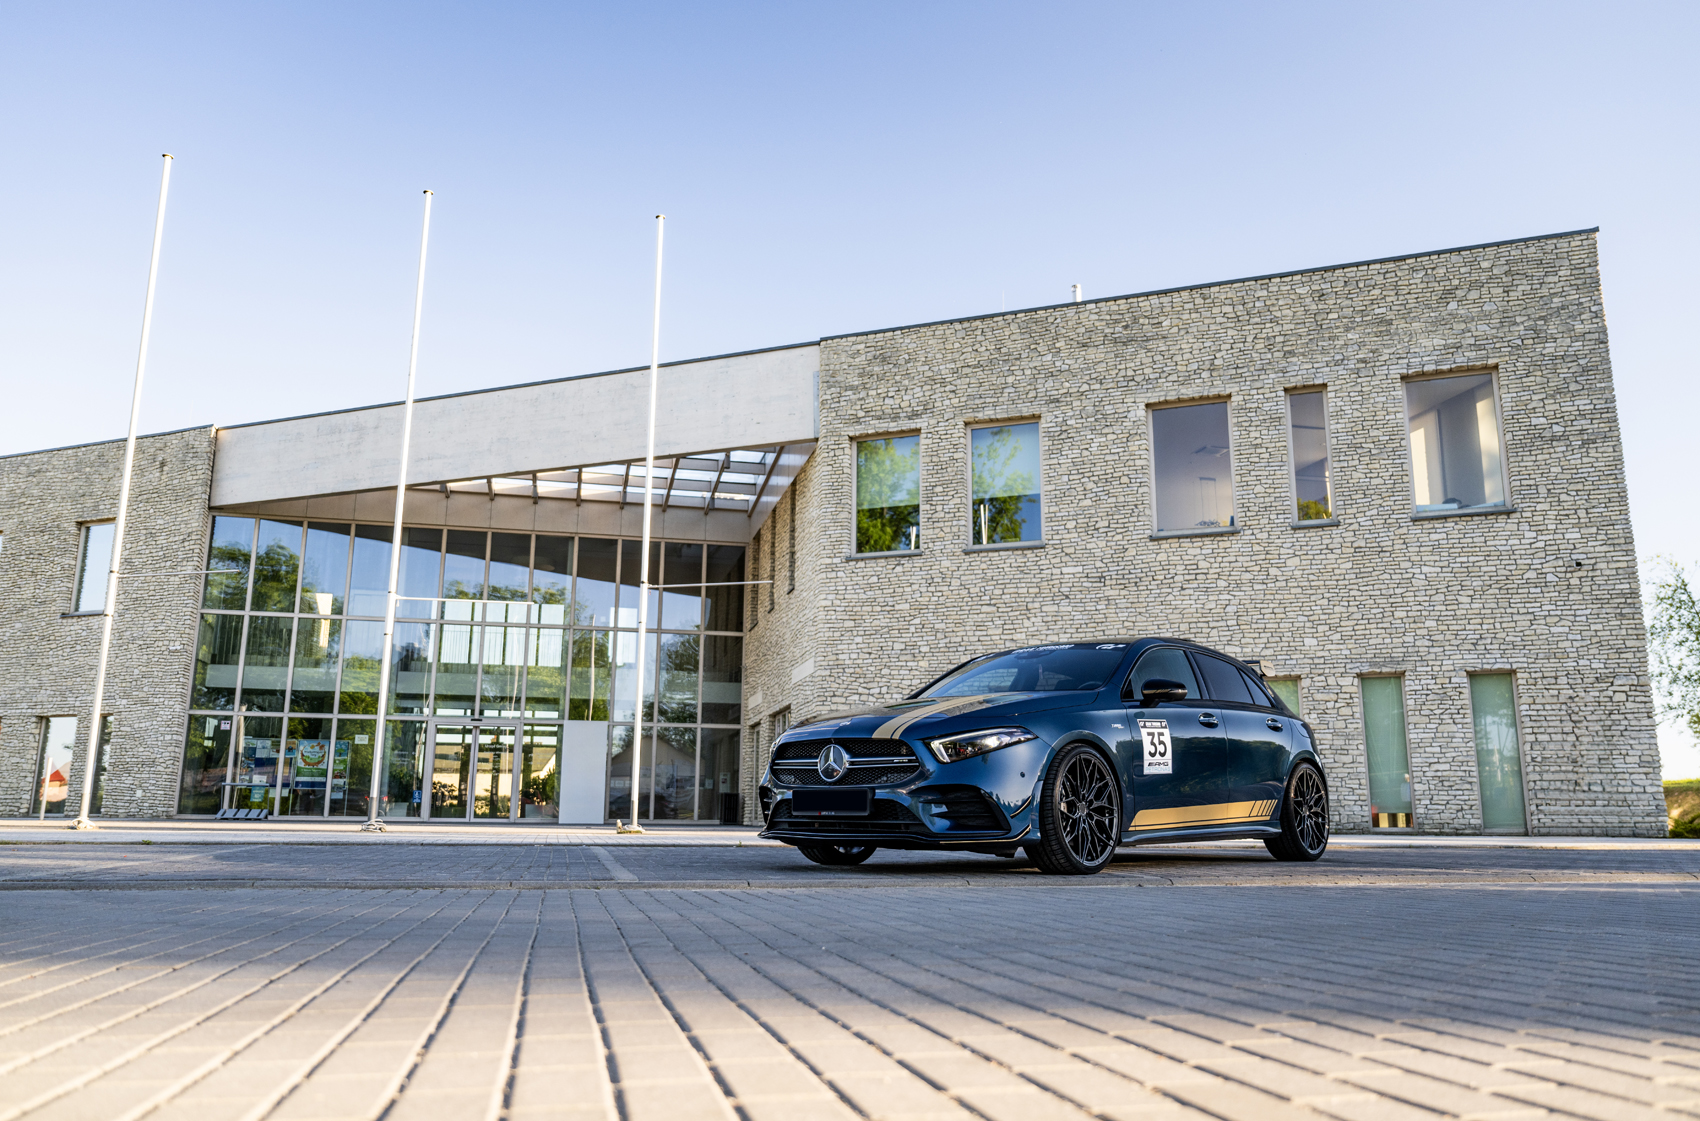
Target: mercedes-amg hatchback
x=1064, y=751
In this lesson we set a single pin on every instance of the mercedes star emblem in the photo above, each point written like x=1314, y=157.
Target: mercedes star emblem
x=833, y=762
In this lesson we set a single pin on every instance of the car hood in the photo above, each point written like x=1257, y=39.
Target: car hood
x=932, y=716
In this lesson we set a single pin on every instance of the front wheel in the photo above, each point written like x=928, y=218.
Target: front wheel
x=1080, y=811
x=837, y=855
x=1304, y=817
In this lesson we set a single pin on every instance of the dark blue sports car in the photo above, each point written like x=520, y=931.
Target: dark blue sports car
x=1063, y=751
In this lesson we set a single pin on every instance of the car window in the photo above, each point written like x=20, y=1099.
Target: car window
x=1222, y=682
x=1036, y=669
x=1259, y=695
x=1166, y=663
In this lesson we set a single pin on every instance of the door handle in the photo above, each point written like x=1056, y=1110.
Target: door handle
x=1274, y=724
x=1208, y=719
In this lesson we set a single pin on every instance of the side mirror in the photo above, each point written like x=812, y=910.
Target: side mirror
x=1157, y=690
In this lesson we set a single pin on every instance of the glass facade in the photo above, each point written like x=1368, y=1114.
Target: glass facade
x=521, y=633
x=1193, y=467
x=1004, y=504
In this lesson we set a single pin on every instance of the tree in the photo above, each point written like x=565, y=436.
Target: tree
x=1673, y=634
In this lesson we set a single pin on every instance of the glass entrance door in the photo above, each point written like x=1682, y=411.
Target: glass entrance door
x=472, y=771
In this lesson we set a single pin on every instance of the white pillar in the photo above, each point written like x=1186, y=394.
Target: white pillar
x=91, y=758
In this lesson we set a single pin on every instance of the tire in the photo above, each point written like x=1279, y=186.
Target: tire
x=1304, y=817
x=1080, y=813
x=838, y=856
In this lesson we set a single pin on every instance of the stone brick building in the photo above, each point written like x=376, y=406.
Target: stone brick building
x=1397, y=483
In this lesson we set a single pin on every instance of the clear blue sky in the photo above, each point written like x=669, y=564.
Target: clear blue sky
x=825, y=168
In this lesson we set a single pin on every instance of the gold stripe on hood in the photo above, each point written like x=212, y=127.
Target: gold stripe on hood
x=951, y=706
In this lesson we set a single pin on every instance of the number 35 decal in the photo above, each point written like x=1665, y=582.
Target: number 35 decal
x=1158, y=753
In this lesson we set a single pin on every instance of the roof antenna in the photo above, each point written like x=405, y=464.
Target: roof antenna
x=1076, y=288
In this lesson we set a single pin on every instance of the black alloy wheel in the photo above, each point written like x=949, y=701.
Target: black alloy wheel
x=1304, y=817
x=1079, y=814
x=837, y=855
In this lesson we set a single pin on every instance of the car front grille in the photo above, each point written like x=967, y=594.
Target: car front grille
x=885, y=816
x=872, y=763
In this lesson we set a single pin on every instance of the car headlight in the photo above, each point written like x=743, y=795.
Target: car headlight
x=950, y=749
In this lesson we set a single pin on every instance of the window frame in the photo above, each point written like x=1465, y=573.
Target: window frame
x=1233, y=526
x=968, y=430
x=83, y=529
x=920, y=490
x=1506, y=505
x=1333, y=518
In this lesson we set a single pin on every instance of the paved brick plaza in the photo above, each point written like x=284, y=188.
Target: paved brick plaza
x=1380, y=983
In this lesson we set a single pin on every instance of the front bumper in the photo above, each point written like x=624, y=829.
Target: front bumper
x=982, y=802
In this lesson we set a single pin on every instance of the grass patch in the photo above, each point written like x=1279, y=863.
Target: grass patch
x=1682, y=806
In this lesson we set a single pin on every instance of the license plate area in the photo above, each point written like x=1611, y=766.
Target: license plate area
x=832, y=803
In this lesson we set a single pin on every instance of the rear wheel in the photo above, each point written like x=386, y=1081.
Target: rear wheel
x=1304, y=817
x=837, y=855
x=1079, y=814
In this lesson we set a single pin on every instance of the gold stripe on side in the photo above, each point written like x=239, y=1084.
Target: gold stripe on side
x=1222, y=813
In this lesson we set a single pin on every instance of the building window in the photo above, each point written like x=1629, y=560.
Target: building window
x=1307, y=419
x=1456, y=456
x=888, y=495
x=1499, y=764
x=1287, y=688
x=1004, y=462
x=1193, y=467
x=791, y=546
x=1388, y=757
x=94, y=563
x=53, y=765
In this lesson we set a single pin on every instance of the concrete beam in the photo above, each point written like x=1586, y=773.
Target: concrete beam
x=739, y=401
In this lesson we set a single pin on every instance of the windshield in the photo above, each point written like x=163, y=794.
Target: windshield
x=1037, y=669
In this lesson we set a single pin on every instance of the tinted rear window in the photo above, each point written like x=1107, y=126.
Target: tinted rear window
x=1259, y=694
x=1037, y=669
x=1222, y=681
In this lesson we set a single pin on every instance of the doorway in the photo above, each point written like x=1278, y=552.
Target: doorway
x=472, y=770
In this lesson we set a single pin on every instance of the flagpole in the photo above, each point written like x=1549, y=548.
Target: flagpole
x=648, y=508
x=91, y=758
x=380, y=738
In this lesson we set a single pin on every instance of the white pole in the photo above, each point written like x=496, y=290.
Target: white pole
x=1076, y=293
x=380, y=737
x=92, y=756
x=648, y=498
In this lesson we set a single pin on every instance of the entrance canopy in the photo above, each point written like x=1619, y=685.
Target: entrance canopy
x=729, y=434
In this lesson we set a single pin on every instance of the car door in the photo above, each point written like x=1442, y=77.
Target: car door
x=1257, y=740
x=1183, y=755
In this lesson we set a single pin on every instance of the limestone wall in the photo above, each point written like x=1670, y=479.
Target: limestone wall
x=1547, y=591
x=48, y=654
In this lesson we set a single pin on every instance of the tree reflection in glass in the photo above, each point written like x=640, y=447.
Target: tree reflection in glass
x=888, y=494
x=227, y=563
x=277, y=563
x=1006, y=483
